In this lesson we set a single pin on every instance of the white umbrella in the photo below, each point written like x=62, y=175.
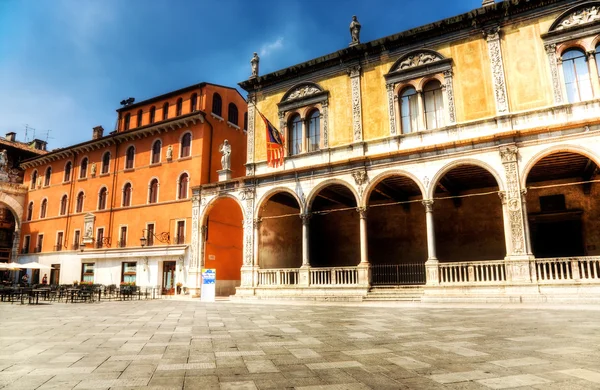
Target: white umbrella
x=34, y=265
x=10, y=266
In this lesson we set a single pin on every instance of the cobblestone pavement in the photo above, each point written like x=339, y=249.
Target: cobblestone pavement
x=171, y=344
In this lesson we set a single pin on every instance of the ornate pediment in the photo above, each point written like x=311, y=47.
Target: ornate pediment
x=302, y=91
x=415, y=59
x=583, y=14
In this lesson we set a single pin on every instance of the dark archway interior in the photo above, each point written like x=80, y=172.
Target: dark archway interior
x=564, y=219
x=468, y=228
x=7, y=230
x=280, y=239
x=334, y=235
x=396, y=232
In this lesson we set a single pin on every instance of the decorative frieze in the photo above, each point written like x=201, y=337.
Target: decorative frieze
x=354, y=73
x=577, y=18
x=250, y=135
x=514, y=204
x=391, y=107
x=302, y=92
x=553, y=62
x=194, y=249
x=449, y=90
x=361, y=178
x=248, y=229
x=492, y=36
x=325, y=116
x=416, y=59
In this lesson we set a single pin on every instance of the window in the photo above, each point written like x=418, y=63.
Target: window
x=577, y=76
x=179, y=107
x=87, y=272
x=100, y=238
x=409, y=110
x=102, y=198
x=165, y=111
x=149, y=234
x=123, y=237
x=434, y=104
x=182, y=186
x=40, y=243
x=83, y=168
x=153, y=191
x=186, y=142
x=217, y=105
x=59, y=241
x=128, y=272
x=29, y=211
x=245, y=121
x=63, y=205
x=597, y=55
x=43, y=208
x=76, y=239
x=34, y=176
x=232, y=114
x=129, y=156
x=152, y=114
x=139, y=118
x=68, y=168
x=47, y=176
x=126, y=121
x=79, y=204
x=105, y=163
x=156, y=146
x=193, y=103
x=180, y=234
x=126, y=195
x=295, y=126
x=26, y=244
x=314, y=131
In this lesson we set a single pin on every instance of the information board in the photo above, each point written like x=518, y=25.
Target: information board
x=209, y=280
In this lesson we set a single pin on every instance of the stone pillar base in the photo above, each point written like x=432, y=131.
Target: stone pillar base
x=364, y=274
x=224, y=174
x=520, y=269
x=432, y=272
x=194, y=282
x=249, y=276
x=304, y=276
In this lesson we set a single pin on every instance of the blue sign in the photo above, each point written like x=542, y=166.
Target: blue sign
x=209, y=276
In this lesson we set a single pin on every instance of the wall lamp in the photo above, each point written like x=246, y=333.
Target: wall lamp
x=161, y=237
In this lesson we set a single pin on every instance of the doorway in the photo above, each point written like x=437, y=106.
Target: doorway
x=553, y=236
x=168, y=282
x=55, y=274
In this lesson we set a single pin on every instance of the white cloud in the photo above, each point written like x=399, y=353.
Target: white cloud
x=270, y=47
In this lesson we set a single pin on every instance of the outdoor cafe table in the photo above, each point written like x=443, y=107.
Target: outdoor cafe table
x=35, y=293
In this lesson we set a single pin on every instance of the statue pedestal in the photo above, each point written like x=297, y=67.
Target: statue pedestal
x=224, y=174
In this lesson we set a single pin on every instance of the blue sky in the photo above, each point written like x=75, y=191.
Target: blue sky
x=66, y=65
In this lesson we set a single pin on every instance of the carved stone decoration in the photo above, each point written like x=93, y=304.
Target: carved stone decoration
x=302, y=92
x=362, y=212
x=391, y=108
x=582, y=16
x=449, y=90
x=88, y=228
x=247, y=193
x=556, y=84
x=428, y=203
x=361, y=178
x=325, y=114
x=254, y=62
x=354, y=73
x=194, y=250
x=248, y=231
x=355, y=31
x=426, y=182
x=499, y=83
x=513, y=200
x=417, y=59
x=250, y=134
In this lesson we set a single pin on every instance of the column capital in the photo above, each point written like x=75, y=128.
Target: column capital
x=428, y=203
x=508, y=154
x=305, y=218
x=203, y=229
x=362, y=211
x=590, y=53
x=256, y=223
x=491, y=33
x=502, y=196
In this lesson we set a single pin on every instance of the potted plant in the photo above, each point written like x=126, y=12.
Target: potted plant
x=179, y=285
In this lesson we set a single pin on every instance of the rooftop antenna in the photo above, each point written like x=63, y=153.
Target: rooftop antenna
x=27, y=128
x=48, y=135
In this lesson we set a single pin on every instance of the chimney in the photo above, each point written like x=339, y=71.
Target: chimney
x=12, y=136
x=98, y=132
x=38, y=144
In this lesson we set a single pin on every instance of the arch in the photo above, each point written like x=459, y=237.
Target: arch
x=152, y=115
x=83, y=167
x=43, y=208
x=193, y=102
x=416, y=58
x=68, y=171
x=126, y=121
x=274, y=191
x=185, y=151
x=64, y=205
x=14, y=206
x=232, y=113
x=562, y=21
x=130, y=157
x=211, y=203
x=80, y=202
x=217, y=105
x=34, y=177
x=47, y=176
x=29, y=215
x=180, y=189
x=315, y=191
x=454, y=164
x=156, y=151
x=165, y=111
x=126, y=197
x=555, y=149
x=571, y=46
x=153, y=190
x=302, y=90
x=179, y=107
x=428, y=79
x=384, y=175
x=105, y=163
x=102, y=198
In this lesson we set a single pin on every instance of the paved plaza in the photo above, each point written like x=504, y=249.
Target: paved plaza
x=179, y=344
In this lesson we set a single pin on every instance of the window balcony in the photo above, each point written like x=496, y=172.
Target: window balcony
x=37, y=249
x=24, y=250
x=57, y=248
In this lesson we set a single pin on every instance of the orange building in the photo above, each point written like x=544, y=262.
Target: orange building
x=117, y=208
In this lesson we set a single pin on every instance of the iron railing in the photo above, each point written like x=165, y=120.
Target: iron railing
x=398, y=274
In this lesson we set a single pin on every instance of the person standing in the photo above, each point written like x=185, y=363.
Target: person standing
x=45, y=279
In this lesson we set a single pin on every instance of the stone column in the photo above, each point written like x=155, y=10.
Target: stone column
x=15, y=247
x=193, y=282
x=502, y=196
x=593, y=66
x=492, y=36
x=391, y=108
x=421, y=104
x=256, y=225
x=364, y=267
x=526, y=219
x=249, y=272
x=432, y=263
x=557, y=87
x=518, y=261
x=304, y=272
x=354, y=73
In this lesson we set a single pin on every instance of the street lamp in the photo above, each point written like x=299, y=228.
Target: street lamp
x=143, y=241
x=162, y=237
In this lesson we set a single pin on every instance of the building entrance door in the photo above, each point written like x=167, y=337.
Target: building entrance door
x=55, y=274
x=168, y=283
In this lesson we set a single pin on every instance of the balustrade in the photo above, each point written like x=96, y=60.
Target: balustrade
x=473, y=272
x=278, y=277
x=568, y=268
x=333, y=276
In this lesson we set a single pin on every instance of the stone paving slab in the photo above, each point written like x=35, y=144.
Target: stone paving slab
x=177, y=344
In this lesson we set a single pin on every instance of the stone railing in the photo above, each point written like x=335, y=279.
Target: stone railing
x=568, y=268
x=473, y=272
x=278, y=277
x=334, y=276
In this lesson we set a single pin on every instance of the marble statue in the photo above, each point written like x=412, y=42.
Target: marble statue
x=254, y=63
x=94, y=169
x=355, y=31
x=170, y=152
x=225, y=150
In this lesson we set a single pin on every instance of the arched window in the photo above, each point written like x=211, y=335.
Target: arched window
x=34, y=176
x=102, y=198
x=597, y=55
x=186, y=142
x=409, y=110
x=577, y=76
x=63, y=205
x=314, y=132
x=139, y=118
x=193, y=102
x=179, y=107
x=68, y=167
x=43, y=208
x=129, y=156
x=434, y=104
x=165, y=111
x=126, y=122
x=83, y=168
x=217, y=104
x=105, y=162
x=126, y=195
x=153, y=191
x=79, y=204
x=152, y=114
x=232, y=114
x=295, y=132
x=29, y=211
x=47, y=176
x=182, y=190
x=156, y=146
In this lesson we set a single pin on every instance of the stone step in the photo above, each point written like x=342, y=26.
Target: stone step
x=395, y=293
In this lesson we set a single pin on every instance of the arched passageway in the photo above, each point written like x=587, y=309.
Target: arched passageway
x=7, y=231
x=334, y=228
x=396, y=232
x=468, y=226
x=224, y=244
x=562, y=206
x=280, y=232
